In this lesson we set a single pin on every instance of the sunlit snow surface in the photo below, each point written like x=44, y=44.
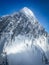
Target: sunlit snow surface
x=25, y=41
x=21, y=43
x=27, y=11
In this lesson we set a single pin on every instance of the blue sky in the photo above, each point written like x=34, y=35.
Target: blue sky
x=39, y=7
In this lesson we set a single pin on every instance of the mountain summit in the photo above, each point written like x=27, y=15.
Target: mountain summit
x=27, y=11
x=23, y=39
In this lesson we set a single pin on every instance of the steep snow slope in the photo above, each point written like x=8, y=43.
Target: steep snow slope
x=23, y=39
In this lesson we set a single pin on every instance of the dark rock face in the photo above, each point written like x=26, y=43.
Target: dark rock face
x=24, y=24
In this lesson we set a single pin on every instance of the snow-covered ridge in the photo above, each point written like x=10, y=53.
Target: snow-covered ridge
x=27, y=11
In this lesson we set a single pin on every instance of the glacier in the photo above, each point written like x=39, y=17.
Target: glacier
x=23, y=40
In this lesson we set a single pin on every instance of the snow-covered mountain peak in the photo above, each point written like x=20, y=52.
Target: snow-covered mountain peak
x=21, y=33
x=27, y=11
